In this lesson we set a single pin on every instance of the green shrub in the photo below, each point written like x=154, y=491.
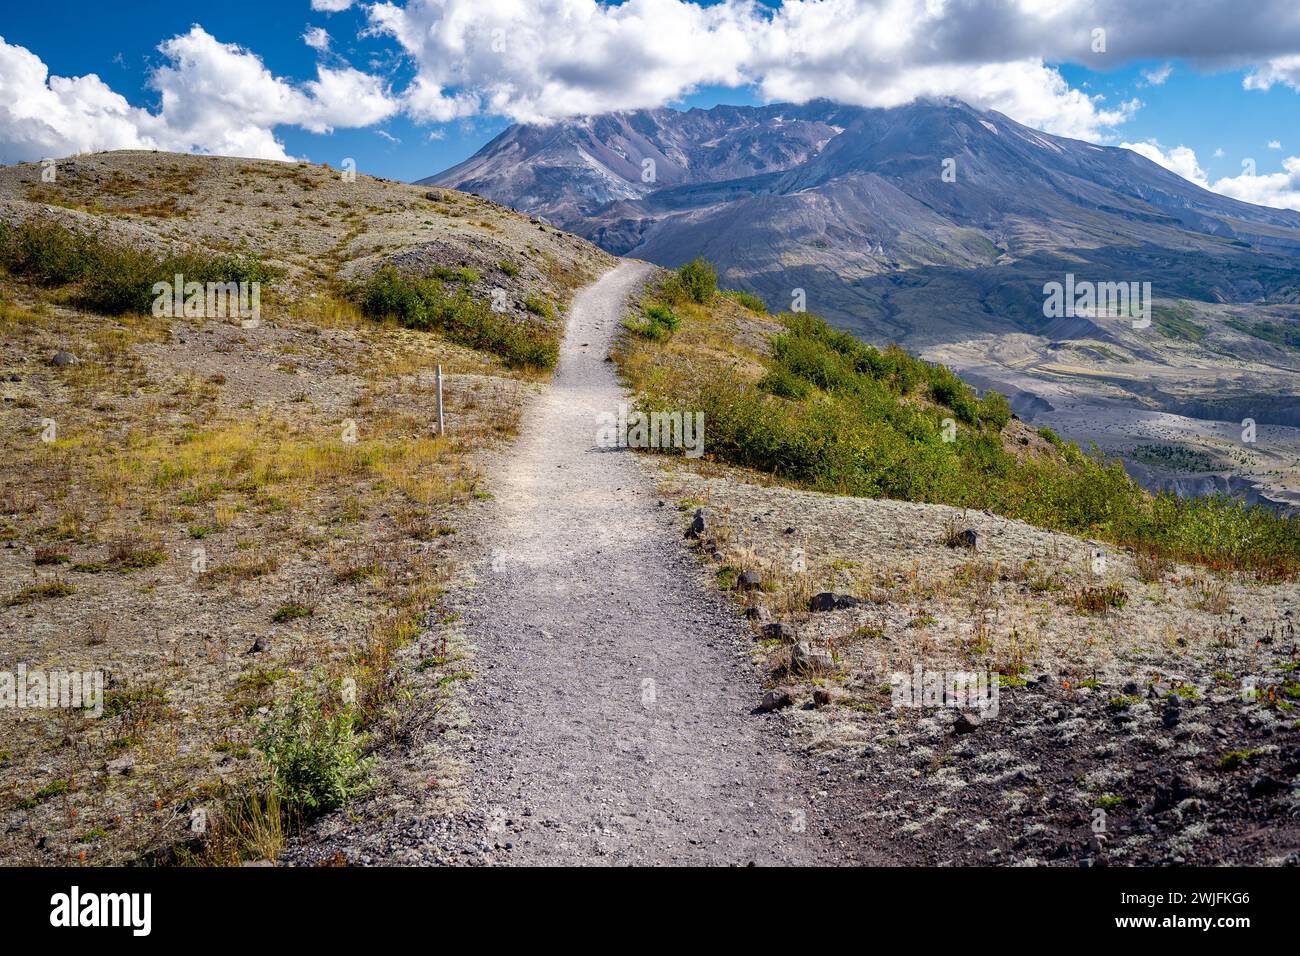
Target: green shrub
x=46, y=252
x=995, y=410
x=539, y=306
x=748, y=300
x=314, y=759
x=659, y=323
x=662, y=315
x=455, y=274
x=699, y=280
x=781, y=381
x=813, y=361
x=654, y=331
x=426, y=304
x=112, y=278
x=947, y=389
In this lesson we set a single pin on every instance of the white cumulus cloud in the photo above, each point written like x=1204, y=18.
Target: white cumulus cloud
x=43, y=115
x=317, y=38
x=1284, y=70
x=547, y=59
x=1180, y=159
x=214, y=98
x=1159, y=75
x=1279, y=190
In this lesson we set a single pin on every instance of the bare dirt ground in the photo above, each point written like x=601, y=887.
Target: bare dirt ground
x=1159, y=732
x=612, y=706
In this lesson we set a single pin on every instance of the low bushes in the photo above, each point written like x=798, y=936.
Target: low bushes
x=314, y=758
x=748, y=300
x=838, y=415
x=697, y=281
x=660, y=322
x=109, y=277
x=426, y=303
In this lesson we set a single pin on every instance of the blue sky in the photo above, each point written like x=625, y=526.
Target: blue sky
x=1202, y=104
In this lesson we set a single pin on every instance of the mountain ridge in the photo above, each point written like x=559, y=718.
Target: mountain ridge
x=847, y=211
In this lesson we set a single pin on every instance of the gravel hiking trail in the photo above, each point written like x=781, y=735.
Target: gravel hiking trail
x=612, y=701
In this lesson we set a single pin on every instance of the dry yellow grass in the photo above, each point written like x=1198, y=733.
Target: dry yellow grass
x=204, y=477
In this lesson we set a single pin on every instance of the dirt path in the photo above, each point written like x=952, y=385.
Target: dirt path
x=613, y=706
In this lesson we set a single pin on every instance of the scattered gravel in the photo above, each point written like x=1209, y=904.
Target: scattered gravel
x=615, y=716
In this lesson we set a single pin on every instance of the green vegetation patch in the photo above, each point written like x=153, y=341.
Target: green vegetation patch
x=427, y=304
x=314, y=757
x=1172, y=457
x=1284, y=334
x=109, y=277
x=835, y=414
x=1175, y=322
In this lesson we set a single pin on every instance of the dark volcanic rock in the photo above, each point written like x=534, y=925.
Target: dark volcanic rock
x=965, y=723
x=826, y=601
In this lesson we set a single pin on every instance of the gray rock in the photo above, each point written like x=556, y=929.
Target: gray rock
x=806, y=658
x=63, y=359
x=748, y=581
x=121, y=766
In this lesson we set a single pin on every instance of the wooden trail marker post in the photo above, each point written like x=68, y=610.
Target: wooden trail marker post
x=437, y=377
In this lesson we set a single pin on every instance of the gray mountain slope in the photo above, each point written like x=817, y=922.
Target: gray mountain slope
x=850, y=205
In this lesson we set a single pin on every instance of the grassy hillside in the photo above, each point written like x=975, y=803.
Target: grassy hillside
x=244, y=527
x=798, y=400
